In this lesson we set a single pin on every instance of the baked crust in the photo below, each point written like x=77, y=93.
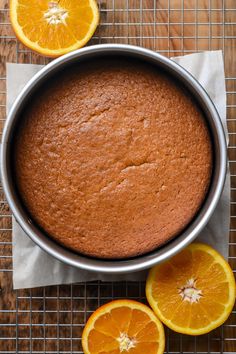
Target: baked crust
x=113, y=159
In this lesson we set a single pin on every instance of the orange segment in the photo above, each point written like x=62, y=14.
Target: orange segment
x=194, y=292
x=101, y=324
x=122, y=317
x=54, y=27
x=138, y=321
x=149, y=333
x=98, y=341
x=123, y=326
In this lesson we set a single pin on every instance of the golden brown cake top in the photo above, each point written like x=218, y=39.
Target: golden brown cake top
x=113, y=158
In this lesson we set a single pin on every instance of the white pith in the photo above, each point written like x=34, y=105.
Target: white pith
x=189, y=291
x=55, y=14
x=126, y=343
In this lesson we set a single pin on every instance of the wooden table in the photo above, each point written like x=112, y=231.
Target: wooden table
x=50, y=320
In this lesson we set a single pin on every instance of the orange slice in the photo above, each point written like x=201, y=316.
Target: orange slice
x=194, y=292
x=123, y=326
x=55, y=27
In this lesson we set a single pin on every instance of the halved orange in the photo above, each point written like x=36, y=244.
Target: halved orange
x=123, y=326
x=193, y=292
x=54, y=27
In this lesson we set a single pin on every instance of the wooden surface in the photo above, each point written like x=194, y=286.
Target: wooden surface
x=50, y=320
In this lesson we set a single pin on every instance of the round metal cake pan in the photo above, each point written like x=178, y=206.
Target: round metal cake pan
x=176, y=244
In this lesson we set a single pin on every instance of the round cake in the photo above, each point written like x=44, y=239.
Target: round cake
x=113, y=158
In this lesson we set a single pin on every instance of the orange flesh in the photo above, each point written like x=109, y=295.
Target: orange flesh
x=210, y=278
x=136, y=324
x=39, y=27
x=54, y=37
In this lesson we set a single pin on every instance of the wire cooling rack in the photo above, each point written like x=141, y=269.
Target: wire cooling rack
x=51, y=319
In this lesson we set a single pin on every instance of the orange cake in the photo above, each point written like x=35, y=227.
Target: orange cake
x=112, y=158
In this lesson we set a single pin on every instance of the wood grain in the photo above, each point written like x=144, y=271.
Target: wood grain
x=51, y=319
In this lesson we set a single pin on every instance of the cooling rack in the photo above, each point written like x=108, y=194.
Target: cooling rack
x=51, y=319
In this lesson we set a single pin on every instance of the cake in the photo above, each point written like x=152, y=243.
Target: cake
x=112, y=158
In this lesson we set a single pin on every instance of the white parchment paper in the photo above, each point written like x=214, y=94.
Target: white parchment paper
x=32, y=267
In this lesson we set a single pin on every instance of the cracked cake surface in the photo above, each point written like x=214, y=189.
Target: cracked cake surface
x=112, y=158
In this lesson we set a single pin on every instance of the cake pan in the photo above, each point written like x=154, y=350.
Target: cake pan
x=173, y=246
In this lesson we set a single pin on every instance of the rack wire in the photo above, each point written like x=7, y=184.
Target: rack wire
x=51, y=319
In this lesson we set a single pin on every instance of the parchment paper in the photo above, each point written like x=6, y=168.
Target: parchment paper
x=32, y=267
